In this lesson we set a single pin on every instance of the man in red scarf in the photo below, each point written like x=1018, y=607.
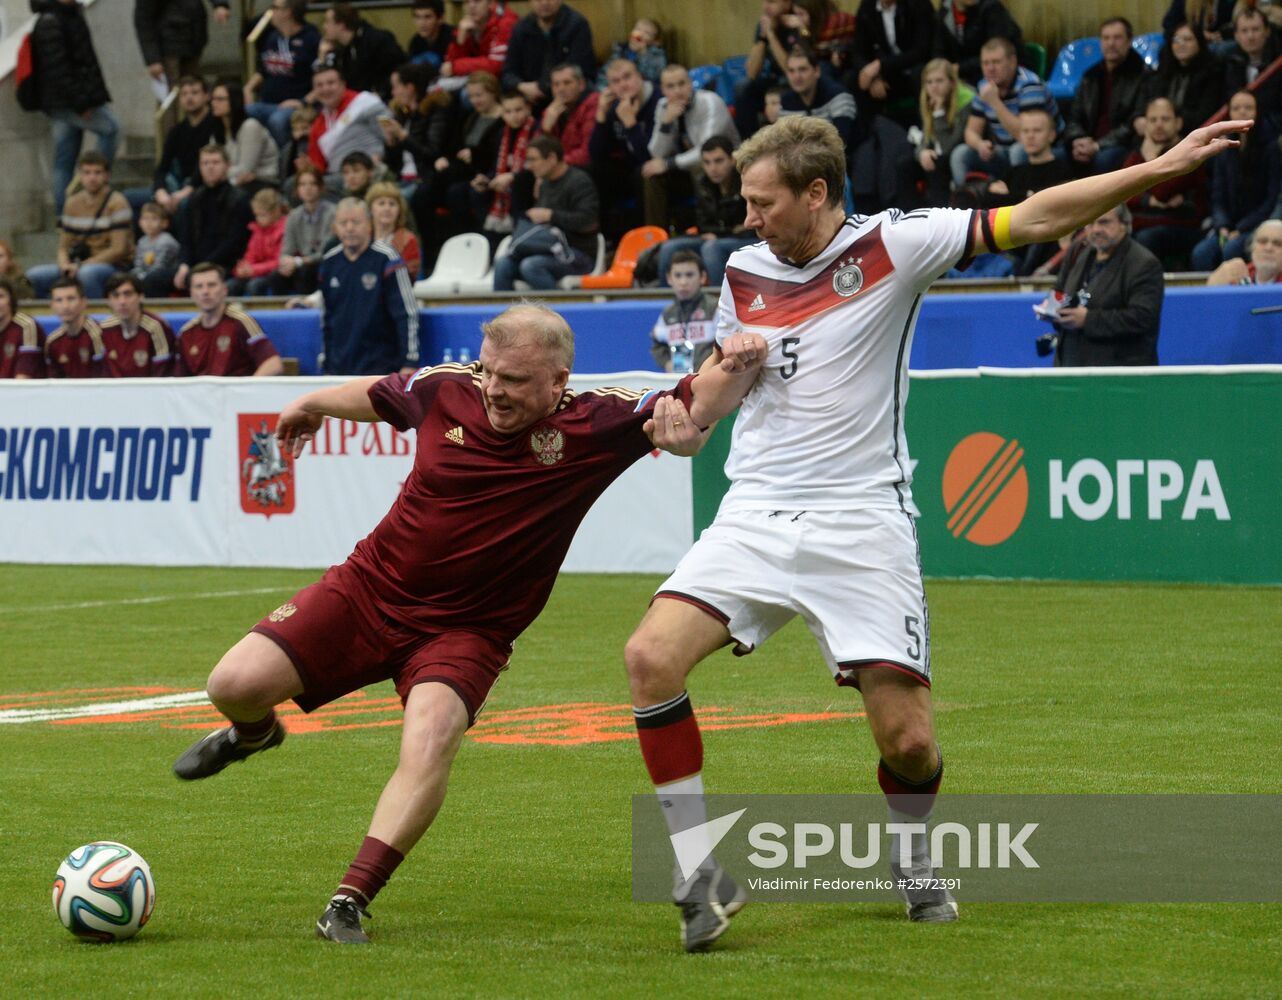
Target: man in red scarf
x=518, y=129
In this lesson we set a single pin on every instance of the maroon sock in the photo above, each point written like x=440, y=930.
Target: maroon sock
x=254, y=732
x=369, y=871
x=670, y=740
x=915, y=798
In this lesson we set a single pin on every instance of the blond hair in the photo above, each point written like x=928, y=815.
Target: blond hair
x=266, y=200
x=545, y=326
x=950, y=102
x=387, y=189
x=804, y=150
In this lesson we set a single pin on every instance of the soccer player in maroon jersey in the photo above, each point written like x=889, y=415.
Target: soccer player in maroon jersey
x=223, y=339
x=507, y=462
x=137, y=343
x=22, y=342
x=74, y=350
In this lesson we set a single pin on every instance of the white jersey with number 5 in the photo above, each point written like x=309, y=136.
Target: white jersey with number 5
x=823, y=426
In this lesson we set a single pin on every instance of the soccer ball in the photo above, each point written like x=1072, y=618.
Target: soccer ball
x=103, y=892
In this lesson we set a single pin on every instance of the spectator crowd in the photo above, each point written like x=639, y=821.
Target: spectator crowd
x=506, y=125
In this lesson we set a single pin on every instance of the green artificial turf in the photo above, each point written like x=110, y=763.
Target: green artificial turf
x=522, y=888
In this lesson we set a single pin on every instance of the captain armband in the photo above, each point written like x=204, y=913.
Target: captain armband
x=1001, y=228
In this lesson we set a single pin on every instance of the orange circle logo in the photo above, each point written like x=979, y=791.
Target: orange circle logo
x=985, y=488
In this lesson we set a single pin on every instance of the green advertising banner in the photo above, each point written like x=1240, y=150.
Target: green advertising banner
x=1165, y=474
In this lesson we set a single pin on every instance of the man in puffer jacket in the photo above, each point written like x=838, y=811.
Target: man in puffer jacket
x=173, y=33
x=72, y=91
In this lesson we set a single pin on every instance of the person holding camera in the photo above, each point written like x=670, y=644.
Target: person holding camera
x=1112, y=299
x=97, y=238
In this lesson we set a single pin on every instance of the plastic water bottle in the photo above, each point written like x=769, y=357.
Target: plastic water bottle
x=464, y=356
x=448, y=357
x=682, y=357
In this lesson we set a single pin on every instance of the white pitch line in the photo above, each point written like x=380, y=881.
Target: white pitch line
x=158, y=599
x=138, y=705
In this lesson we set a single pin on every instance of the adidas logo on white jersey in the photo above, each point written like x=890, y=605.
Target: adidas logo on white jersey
x=455, y=435
x=757, y=304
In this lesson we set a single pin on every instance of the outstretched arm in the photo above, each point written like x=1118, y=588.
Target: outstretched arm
x=1060, y=210
x=302, y=418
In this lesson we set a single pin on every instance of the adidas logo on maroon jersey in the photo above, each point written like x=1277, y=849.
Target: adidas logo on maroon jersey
x=454, y=434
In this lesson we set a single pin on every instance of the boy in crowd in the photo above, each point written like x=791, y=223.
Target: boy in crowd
x=685, y=333
x=74, y=350
x=22, y=342
x=644, y=46
x=136, y=343
x=157, y=254
x=358, y=174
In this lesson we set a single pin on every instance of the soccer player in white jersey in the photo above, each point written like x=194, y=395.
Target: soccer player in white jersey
x=818, y=520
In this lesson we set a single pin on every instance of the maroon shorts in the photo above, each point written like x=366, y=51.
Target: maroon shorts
x=340, y=641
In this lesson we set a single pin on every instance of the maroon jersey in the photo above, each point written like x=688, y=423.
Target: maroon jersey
x=148, y=351
x=235, y=345
x=75, y=355
x=483, y=522
x=22, y=348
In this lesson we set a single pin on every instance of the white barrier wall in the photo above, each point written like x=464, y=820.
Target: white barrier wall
x=168, y=472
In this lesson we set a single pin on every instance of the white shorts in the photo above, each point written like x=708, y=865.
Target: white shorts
x=853, y=576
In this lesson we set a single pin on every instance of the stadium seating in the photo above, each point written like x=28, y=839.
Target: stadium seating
x=1073, y=60
x=1035, y=58
x=706, y=77
x=1078, y=56
x=1149, y=47
x=634, y=243
x=733, y=70
x=464, y=260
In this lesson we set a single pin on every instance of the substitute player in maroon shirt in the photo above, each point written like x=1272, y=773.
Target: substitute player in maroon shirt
x=22, y=342
x=137, y=343
x=222, y=340
x=74, y=350
x=506, y=464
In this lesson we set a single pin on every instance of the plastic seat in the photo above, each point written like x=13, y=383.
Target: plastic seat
x=634, y=243
x=705, y=77
x=733, y=70
x=1073, y=60
x=1035, y=58
x=1149, y=47
x=463, y=260
x=572, y=281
